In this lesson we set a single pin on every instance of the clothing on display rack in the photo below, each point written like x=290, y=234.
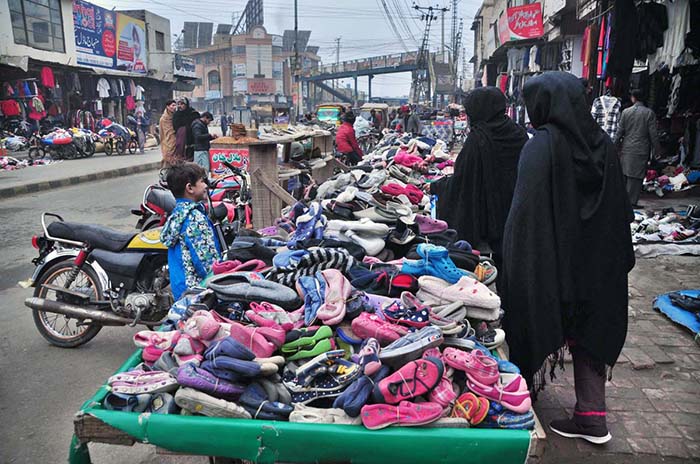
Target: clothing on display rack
x=103, y=88
x=674, y=37
x=139, y=92
x=47, y=78
x=653, y=22
x=623, y=42
x=606, y=112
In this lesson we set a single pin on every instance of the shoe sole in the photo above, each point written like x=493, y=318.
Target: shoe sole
x=589, y=438
x=201, y=403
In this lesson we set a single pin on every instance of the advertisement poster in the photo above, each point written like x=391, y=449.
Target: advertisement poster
x=131, y=44
x=521, y=22
x=184, y=66
x=95, y=35
x=236, y=157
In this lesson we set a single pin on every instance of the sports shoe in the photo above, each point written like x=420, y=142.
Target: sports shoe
x=570, y=429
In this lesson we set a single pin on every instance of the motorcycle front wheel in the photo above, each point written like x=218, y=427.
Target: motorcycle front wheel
x=109, y=148
x=57, y=329
x=36, y=153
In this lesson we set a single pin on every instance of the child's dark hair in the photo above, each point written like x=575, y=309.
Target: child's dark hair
x=181, y=174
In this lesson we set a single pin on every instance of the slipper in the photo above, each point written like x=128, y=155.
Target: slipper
x=414, y=379
x=475, y=364
x=518, y=401
x=406, y=414
x=126, y=402
x=471, y=407
x=411, y=346
x=306, y=338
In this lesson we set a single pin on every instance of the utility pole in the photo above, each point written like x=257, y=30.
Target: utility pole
x=442, y=49
x=297, y=76
x=421, y=84
x=337, y=61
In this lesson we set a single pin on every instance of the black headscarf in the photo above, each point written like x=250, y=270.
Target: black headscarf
x=567, y=245
x=184, y=117
x=475, y=200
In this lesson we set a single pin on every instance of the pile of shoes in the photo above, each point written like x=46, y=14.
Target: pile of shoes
x=666, y=225
x=356, y=307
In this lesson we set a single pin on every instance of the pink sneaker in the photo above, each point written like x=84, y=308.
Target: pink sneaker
x=477, y=365
x=416, y=378
x=444, y=394
x=407, y=414
x=518, y=401
x=368, y=325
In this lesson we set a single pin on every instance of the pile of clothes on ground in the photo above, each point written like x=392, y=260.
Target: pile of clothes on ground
x=9, y=163
x=355, y=307
x=670, y=179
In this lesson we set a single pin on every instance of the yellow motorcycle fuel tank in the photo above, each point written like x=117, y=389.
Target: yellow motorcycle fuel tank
x=148, y=240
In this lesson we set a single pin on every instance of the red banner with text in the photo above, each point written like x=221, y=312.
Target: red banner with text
x=521, y=22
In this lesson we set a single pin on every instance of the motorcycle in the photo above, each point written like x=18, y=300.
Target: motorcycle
x=231, y=192
x=85, y=141
x=89, y=276
x=58, y=144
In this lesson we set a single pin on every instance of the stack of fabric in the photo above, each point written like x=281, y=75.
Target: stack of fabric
x=356, y=307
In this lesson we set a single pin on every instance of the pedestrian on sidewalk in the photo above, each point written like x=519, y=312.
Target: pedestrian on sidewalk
x=182, y=124
x=484, y=173
x=141, y=128
x=639, y=139
x=224, y=124
x=567, y=249
x=202, y=139
x=167, y=133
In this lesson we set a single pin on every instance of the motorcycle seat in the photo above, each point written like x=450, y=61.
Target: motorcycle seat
x=98, y=237
x=162, y=198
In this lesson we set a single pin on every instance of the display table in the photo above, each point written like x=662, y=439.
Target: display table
x=272, y=441
x=268, y=198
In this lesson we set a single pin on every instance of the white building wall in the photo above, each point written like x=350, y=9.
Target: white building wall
x=9, y=48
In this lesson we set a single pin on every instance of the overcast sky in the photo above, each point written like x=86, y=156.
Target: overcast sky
x=362, y=26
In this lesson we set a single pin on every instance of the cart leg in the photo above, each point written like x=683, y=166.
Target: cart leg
x=79, y=452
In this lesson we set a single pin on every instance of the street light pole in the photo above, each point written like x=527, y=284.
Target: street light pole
x=297, y=68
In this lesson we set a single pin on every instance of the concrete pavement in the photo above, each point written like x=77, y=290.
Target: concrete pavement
x=653, y=398
x=72, y=172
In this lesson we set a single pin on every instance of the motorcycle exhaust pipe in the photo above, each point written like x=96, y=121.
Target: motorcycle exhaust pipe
x=77, y=312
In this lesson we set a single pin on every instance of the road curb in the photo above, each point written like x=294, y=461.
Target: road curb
x=17, y=190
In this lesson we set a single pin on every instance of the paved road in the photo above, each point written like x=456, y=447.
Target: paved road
x=43, y=386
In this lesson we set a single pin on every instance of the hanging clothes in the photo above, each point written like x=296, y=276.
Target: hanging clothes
x=606, y=112
x=139, y=92
x=675, y=94
x=653, y=22
x=623, y=44
x=103, y=88
x=674, y=37
x=47, y=79
x=10, y=107
x=113, y=88
x=130, y=103
x=37, y=111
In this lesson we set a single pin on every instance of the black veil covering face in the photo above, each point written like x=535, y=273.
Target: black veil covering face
x=475, y=200
x=567, y=246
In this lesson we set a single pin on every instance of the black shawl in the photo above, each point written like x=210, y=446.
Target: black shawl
x=184, y=117
x=475, y=200
x=567, y=245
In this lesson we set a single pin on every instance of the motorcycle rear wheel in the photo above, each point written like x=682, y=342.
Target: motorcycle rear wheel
x=36, y=153
x=109, y=148
x=57, y=329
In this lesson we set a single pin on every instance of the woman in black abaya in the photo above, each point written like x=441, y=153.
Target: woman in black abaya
x=182, y=124
x=567, y=250
x=475, y=200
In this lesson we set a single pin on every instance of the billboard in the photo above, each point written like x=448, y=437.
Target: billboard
x=131, y=44
x=184, y=66
x=95, y=35
x=521, y=22
x=261, y=86
x=237, y=157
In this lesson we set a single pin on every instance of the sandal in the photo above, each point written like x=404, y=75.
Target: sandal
x=413, y=379
x=471, y=407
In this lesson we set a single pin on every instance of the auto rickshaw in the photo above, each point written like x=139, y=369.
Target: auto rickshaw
x=329, y=113
x=382, y=108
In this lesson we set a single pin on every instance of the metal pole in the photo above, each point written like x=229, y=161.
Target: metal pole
x=443, y=36
x=337, y=61
x=296, y=58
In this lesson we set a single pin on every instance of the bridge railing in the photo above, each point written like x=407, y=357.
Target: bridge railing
x=384, y=61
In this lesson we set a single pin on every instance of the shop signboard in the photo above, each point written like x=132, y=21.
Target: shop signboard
x=95, y=35
x=131, y=45
x=212, y=94
x=261, y=86
x=237, y=157
x=521, y=22
x=184, y=66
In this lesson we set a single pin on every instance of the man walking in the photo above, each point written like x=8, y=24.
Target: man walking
x=637, y=133
x=224, y=124
x=202, y=138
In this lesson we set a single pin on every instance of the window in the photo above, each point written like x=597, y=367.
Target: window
x=38, y=24
x=214, y=80
x=160, y=41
